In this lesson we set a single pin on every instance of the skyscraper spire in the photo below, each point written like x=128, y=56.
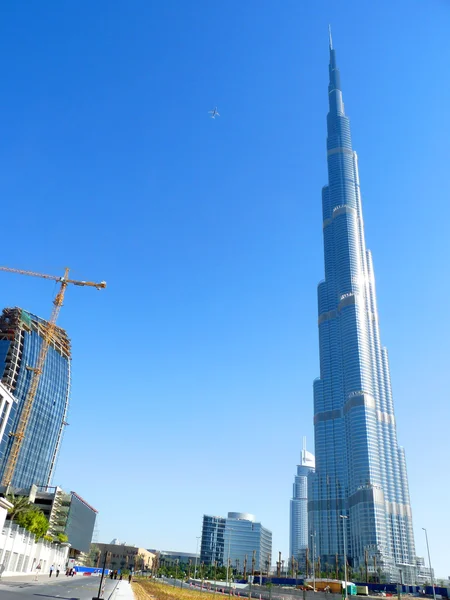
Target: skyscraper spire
x=360, y=468
x=334, y=87
x=330, y=38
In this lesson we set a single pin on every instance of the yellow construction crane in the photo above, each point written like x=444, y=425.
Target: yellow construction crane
x=37, y=370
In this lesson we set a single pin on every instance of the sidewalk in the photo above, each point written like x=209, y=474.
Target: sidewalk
x=123, y=591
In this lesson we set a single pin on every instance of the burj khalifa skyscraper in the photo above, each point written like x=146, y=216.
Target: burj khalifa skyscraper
x=358, y=495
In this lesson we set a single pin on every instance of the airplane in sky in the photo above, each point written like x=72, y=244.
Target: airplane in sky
x=214, y=113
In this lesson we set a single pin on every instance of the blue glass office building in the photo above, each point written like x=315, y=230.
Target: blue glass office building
x=237, y=538
x=20, y=342
x=360, y=482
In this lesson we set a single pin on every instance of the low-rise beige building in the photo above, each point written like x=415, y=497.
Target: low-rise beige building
x=122, y=556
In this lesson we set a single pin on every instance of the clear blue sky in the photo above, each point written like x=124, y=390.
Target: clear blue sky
x=192, y=372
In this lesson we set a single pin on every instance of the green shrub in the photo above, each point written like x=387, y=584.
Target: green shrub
x=34, y=521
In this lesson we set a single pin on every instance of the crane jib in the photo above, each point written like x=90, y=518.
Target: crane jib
x=19, y=435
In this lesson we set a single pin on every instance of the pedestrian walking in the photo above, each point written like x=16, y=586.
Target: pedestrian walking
x=72, y=572
x=57, y=570
x=51, y=570
x=38, y=570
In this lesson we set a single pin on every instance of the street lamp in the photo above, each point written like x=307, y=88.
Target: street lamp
x=313, y=543
x=196, y=556
x=229, y=548
x=429, y=563
x=344, y=528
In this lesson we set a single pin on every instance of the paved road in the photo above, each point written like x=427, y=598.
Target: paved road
x=63, y=588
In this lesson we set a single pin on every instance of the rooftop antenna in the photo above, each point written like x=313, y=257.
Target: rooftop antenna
x=330, y=38
x=303, y=450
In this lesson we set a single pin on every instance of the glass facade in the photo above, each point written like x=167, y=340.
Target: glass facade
x=298, y=538
x=360, y=468
x=80, y=523
x=7, y=401
x=20, y=343
x=237, y=537
x=212, y=543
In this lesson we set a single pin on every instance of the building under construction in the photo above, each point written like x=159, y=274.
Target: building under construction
x=21, y=337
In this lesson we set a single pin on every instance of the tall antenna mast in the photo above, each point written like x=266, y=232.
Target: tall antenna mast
x=303, y=450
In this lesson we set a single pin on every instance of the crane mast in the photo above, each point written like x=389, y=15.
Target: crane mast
x=19, y=435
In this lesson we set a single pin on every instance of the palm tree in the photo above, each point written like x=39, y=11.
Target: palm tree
x=21, y=504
